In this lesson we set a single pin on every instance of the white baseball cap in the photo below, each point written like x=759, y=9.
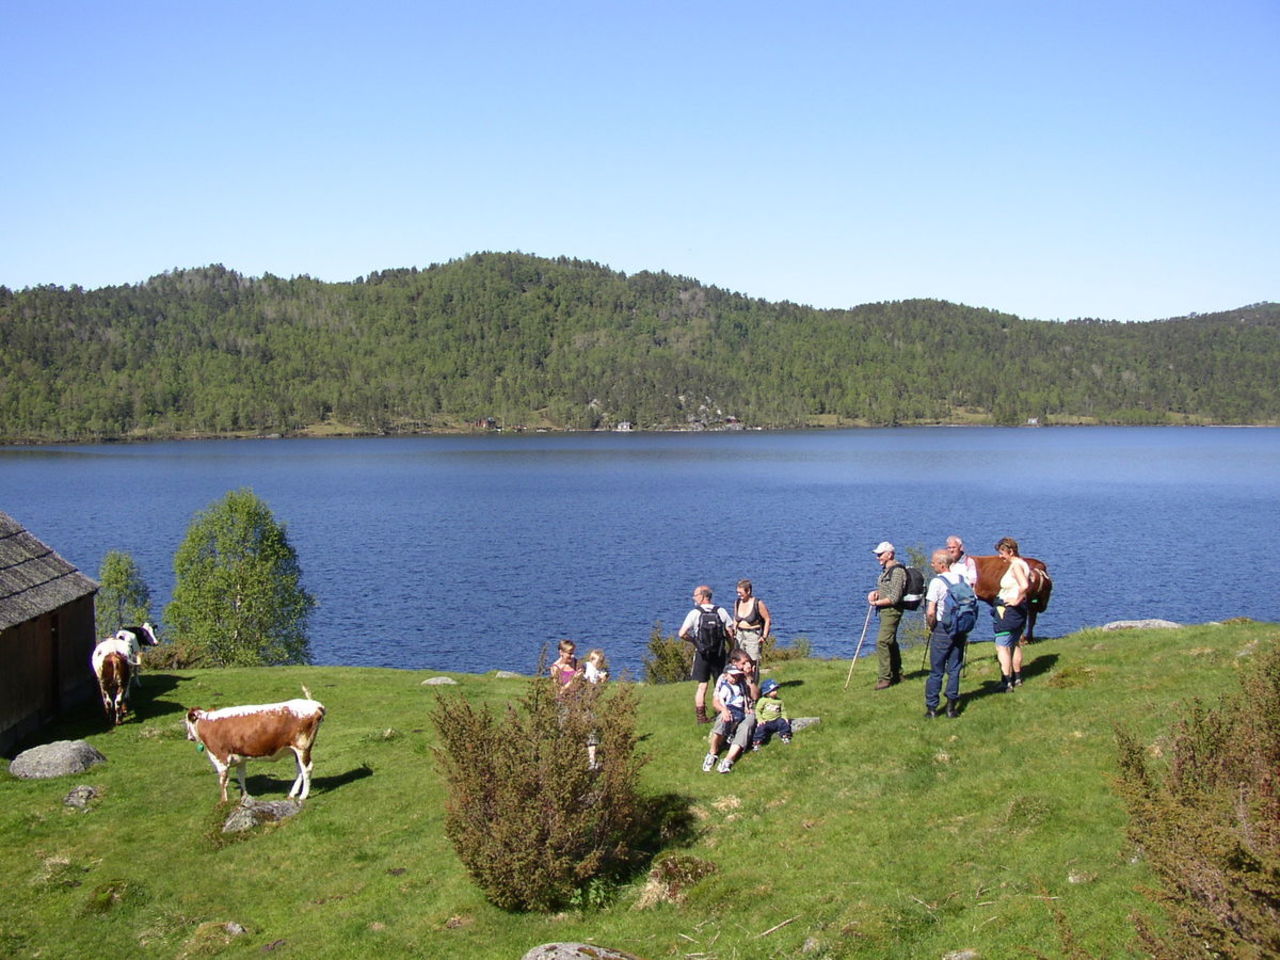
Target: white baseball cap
x=884, y=547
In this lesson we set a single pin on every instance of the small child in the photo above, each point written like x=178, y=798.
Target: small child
x=595, y=668
x=771, y=716
x=566, y=666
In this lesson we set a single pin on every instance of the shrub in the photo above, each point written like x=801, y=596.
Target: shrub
x=1209, y=823
x=534, y=826
x=771, y=651
x=669, y=660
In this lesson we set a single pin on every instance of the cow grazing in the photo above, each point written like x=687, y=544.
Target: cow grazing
x=135, y=638
x=1039, y=586
x=234, y=735
x=111, y=667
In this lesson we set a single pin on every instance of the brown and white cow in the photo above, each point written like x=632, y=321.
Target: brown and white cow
x=234, y=735
x=111, y=667
x=1039, y=586
x=135, y=638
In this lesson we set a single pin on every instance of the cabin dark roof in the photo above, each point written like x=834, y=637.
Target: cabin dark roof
x=33, y=579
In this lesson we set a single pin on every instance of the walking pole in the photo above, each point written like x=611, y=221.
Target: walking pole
x=865, y=623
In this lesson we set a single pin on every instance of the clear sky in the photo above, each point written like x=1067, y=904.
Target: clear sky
x=1106, y=159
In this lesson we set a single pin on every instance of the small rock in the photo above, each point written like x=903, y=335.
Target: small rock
x=439, y=682
x=234, y=928
x=799, y=723
x=80, y=797
x=252, y=812
x=507, y=675
x=1081, y=877
x=576, y=951
x=56, y=759
x=1140, y=625
x=965, y=954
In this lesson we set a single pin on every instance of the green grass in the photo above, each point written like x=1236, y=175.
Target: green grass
x=875, y=834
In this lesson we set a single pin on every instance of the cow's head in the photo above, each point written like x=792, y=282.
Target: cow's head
x=194, y=714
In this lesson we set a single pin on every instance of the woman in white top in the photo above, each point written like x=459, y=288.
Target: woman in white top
x=1010, y=614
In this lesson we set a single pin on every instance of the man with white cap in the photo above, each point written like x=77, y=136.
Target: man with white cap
x=887, y=599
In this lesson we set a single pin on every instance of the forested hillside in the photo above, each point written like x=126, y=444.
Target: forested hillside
x=570, y=344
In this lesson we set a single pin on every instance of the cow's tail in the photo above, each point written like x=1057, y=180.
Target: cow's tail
x=306, y=693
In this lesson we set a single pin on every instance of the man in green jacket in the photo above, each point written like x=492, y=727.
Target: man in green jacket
x=887, y=599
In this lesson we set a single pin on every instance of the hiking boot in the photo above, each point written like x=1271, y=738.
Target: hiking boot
x=726, y=766
x=953, y=708
x=708, y=762
x=1017, y=679
x=930, y=713
x=883, y=684
x=1006, y=685
x=700, y=714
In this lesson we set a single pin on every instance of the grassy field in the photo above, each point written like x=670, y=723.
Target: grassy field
x=876, y=833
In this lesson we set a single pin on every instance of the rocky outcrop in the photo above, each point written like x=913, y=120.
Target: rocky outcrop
x=1140, y=625
x=252, y=813
x=576, y=951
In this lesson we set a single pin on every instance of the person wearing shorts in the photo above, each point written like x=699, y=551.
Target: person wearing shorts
x=736, y=693
x=752, y=620
x=1009, y=613
x=707, y=664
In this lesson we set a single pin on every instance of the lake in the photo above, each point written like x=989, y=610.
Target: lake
x=471, y=553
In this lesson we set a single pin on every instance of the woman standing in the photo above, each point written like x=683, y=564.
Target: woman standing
x=752, y=620
x=1010, y=614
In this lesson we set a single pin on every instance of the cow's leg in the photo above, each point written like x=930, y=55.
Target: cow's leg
x=302, y=785
x=1028, y=637
x=244, y=791
x=224, y=773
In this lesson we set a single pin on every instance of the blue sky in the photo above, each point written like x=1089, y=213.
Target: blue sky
x=1103, y=159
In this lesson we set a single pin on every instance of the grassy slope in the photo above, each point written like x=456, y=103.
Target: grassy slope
x=875, y=834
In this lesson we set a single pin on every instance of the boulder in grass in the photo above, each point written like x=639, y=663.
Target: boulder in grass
x=58, y=759
x=507, y=675
x=576, y=951
x=439, y=682
x=252, y=812
x=799, y=723
x=1140, y=625
x=81, y=797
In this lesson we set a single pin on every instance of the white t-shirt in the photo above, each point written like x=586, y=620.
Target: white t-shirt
x=967, y=569
x=938, y=588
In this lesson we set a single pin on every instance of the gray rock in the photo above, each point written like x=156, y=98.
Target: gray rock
x=507, y=675
x=1140, y=625
x=576, y=951
x=252, y=812
x=966, y=954
x=439, y=682
x=81, y=796
x=58, y=759
x=799, y=723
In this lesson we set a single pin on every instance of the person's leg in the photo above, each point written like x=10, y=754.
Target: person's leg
x=933, y=685
x=1005, y=656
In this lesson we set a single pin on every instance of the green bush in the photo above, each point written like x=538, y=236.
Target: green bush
x=772, y=651
x=669, y=659
x=1209, y=823
x=535, y=827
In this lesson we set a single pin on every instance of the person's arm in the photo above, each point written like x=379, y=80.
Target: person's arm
x=768, y=620
x=689, y=620
x=931, y=614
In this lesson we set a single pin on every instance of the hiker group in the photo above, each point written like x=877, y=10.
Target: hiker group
x=727, y=647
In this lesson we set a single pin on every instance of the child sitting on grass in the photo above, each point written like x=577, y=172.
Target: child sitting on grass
x=771, y=716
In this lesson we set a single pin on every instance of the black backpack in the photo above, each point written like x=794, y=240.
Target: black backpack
x=913, y=594
x=709, y=637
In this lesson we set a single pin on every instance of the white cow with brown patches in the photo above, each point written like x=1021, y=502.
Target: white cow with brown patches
x=232, y=736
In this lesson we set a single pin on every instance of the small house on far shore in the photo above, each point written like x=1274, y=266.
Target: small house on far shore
x=46, y=634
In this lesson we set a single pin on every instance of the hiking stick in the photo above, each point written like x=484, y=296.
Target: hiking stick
x=865, y=623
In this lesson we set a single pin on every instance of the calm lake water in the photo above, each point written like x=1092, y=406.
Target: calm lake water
x=471, y=553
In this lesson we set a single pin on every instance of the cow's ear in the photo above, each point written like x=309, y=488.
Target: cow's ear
x=191, y=714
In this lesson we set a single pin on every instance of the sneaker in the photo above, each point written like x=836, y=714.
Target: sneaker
x=1017, y=679
x=708, y=762
x=930, y=713
x=756, y=746
x=726, y=766
x=785, y=738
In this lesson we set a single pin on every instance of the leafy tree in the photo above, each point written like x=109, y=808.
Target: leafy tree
x=124, y=599
x=238, y=598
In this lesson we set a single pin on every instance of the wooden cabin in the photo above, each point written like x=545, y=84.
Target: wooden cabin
x=46, y=635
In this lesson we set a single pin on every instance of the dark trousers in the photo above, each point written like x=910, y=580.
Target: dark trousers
x=888, y=653
x=945, y=656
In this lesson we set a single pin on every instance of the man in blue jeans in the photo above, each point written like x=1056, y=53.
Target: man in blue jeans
x=946, y=649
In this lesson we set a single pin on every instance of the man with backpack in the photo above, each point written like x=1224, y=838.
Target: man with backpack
x=951, y=612
x=709, y=628
x=888, y=599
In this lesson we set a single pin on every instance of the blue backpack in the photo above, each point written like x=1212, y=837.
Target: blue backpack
x=959, y=609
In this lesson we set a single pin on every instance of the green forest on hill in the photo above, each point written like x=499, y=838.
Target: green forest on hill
x=570, y=344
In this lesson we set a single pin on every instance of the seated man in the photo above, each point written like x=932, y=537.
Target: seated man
x=734, y=700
